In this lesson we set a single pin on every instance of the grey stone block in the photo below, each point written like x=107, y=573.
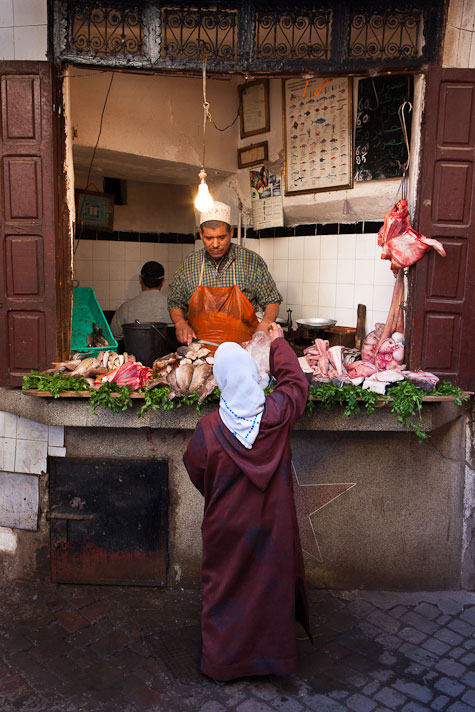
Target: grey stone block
x=360, y=703
x=427, y=610
x=413, y=689
x=449, y=687
x=391, y=698
x=450, y=667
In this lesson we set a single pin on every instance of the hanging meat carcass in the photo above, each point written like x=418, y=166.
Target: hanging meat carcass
x=395, y=222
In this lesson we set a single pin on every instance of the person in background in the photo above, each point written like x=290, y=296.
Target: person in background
x=216, y=291
x=239, y=458
x=148, y=305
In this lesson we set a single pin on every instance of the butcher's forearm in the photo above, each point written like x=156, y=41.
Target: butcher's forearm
x=270, y=315
x=184, y=332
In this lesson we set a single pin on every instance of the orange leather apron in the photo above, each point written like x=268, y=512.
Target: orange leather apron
x=221, y=313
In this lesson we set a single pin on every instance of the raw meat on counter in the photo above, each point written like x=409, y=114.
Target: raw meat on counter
x=369, y=346
x=390, y=355
x=427, y=381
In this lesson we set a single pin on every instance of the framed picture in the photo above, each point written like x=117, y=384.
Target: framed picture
x=254, y=107
x=94, y=210
x=318, y=134
x=253, y=154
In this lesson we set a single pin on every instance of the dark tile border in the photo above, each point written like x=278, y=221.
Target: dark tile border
x=177, y=238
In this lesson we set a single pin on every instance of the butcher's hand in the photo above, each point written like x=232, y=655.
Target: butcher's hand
x=184, y=332
x=275, y=331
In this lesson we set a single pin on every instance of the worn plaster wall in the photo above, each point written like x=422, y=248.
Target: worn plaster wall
x=23, y=29
x=459, y=41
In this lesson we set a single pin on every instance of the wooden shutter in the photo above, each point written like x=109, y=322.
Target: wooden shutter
x=443, y=324
x=27, y=221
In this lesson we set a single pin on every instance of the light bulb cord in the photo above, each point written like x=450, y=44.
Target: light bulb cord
x=206, y=112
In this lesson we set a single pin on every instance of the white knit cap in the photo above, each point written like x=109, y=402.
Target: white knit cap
x=219, y=211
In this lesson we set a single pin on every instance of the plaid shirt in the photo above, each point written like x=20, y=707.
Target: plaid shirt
x=252, y=277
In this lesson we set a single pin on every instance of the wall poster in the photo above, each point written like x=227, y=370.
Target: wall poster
x=318, y=134
x=266, y=197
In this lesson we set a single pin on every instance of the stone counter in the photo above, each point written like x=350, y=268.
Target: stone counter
x=377, y=510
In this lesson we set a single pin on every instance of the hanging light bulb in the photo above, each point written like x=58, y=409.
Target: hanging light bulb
x=203, y=200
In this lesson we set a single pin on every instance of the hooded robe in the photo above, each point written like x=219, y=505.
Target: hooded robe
x=253, y=580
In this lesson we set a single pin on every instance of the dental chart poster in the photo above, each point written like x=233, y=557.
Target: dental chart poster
x=266, y=197
x=318, y=134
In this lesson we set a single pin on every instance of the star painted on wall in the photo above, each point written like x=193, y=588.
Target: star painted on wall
x=309, y=499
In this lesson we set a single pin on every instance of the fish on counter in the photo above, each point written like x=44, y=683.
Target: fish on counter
x=95, y=338
x=423, y=379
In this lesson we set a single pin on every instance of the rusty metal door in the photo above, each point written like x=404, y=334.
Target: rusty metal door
x=27, y=221
x=443, y=325
x=108, y=521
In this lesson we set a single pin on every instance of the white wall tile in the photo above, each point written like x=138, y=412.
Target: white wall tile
x=6, y=13
x=364, y=295
x=57, y=451
x=345, y=317
x=117, y=271
x=175, y=253
x=118, y=290
x=282, y=287
x=7, y=454
x=328, y=271
x=365, y=247
x=326, y=295
x=326, y=312
x=382, y=299
x=102, y=292
x=328, y=247
x=310, y=294
x=296, y=311
x=280, y=270
x=101, y=271
x=147, y=252
x=295, y=271
x=311, y=270
x=83, y=272
x=364, y=271
x=346, y=247
x=31, y=430
x=8, y=425
x=160, y=251
x=55, y=436
x=172, y=268
x=266, y=248
x=132, y=252
x=7, y=49
x=31, y=456
x=312, y=247
x=30, y=42
x=294, y=293
x=117, y=251
x=345, y=273
x=189, y=249
x=382, y=273
x=281, y=248
x=297, y=247
x=344, y=296
x=380, y=316
x=102, y=250
x=308, y=311
x=84, y=249
x=29, y=12
x=133, y=288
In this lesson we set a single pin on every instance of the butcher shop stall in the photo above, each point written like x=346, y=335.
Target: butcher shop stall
x=350, y=180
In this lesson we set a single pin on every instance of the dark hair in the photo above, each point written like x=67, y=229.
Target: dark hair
x=152, y=274
x=214, y=224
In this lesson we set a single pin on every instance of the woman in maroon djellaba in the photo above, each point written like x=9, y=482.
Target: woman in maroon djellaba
x=239, y=458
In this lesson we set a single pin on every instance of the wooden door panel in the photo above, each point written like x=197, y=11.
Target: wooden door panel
x=23, y=190
x=451, y=201
x=27, y=220
x=21, y=108
x=27, y=341
x=442, y=342
x=24, y=266
x=443, y=304
x=447, y=280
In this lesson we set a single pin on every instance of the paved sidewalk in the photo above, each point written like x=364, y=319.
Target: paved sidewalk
x=122, y=649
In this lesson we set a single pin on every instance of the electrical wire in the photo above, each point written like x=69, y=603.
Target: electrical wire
x=81, y=216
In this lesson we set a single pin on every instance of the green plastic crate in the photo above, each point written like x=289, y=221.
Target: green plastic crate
x=86, y=312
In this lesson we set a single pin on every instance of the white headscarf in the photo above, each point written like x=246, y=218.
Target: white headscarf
x=242, y=398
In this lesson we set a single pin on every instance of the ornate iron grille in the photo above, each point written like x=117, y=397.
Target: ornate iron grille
x=100, y=30
x=252, y=36
x=195, y=33
x=294, y=35
x=386, y=34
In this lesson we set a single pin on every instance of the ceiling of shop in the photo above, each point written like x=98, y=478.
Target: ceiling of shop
x=117, y=164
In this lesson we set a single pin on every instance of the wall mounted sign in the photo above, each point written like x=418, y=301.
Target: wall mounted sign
x=266, y=198
x=94, y=210
x=380, y=149
x=318, y=134
x=254, y=107
x=253, y=154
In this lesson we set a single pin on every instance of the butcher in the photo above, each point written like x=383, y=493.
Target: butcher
x=217, y=290
x=239, y=458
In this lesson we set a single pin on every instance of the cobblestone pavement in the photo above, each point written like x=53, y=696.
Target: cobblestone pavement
x=114, y=649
